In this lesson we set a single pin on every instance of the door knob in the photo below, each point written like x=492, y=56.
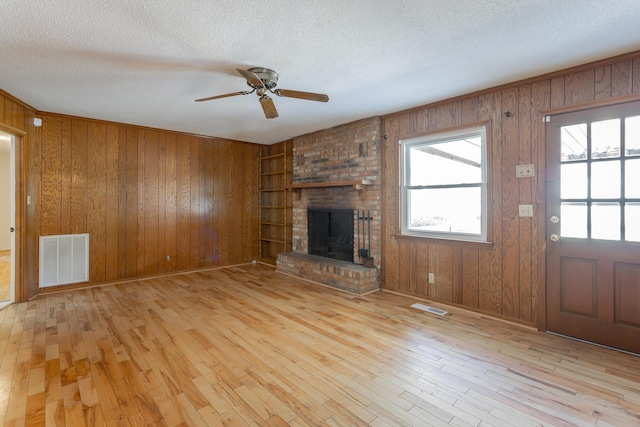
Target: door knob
x=554, y=237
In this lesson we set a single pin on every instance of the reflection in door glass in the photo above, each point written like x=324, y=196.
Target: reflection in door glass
x=605, y=221
x=632, y=224
x=574, y=220
x=632, y=179
x=605, y=139
x=605, y=180
x=632, y=136
x=573, y=178
x=574, y=142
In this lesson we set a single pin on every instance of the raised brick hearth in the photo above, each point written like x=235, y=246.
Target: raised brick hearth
x=343, y=275
x=344, y=153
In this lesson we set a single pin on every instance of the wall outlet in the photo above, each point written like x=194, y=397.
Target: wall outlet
x=168, y=257
x=432, y=278
x=525, y=210
x=525, y=171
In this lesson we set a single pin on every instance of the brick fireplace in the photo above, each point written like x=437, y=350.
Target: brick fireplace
x=338, y=169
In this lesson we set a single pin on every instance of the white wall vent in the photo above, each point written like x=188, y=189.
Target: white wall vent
x=64, y=259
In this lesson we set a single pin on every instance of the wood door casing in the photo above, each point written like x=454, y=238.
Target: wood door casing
x=593, y=285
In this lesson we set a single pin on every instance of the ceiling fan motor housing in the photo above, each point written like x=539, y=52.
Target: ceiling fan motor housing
x=268, y=77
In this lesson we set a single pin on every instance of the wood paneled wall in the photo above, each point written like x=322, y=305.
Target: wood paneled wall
x=152, y=201
x=508, y=278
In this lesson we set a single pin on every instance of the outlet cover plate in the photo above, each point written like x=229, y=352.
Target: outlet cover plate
x=525, y=210
x=525, y=171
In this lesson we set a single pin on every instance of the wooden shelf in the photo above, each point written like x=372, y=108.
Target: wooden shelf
x=273, y=156
x=358, y=184
x=276, y=163
x=265, y=239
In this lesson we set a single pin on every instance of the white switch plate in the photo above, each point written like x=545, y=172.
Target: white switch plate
x=431, y=278
x=525, y=171
x=525, y=210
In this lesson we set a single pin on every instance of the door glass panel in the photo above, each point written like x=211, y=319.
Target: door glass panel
x=605, y=180
x=573, y=177
x=632, y=136
x=574, y=142
x=632, y=223
x=605, y=221
x=605, y=139
x=632, y=179
x=573, y=221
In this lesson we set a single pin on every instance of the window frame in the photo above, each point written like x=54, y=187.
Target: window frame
x=483, y=130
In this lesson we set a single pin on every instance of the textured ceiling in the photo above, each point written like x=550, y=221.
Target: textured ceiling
x=144, y=62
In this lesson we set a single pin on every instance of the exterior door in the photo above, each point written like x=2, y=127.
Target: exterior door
x=593, y=225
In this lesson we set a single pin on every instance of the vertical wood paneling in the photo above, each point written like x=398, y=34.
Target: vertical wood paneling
x=224, y=209
x=579, y=87
x=525, y=198
x=151, y=203
x=510, y=219
x=444, y=272
x=50, y=207
x=194, y=202
x=112, y=203
x=131, y=266
x=216, y=205
x=162, y=201
x=557, y=92
x=66, y=174
x=143, y=194
x=96, y=198
x=390, y=264
x=183, y=254
x=170, y=201
x=540, y=101
x=207, y=177
x=78, y=176
x=140, y=203
x=491, y=260
x=413, y=268
x=508, y=277
x=635, y=85
x=602, y=84
x=470, y=278
x=404, y=277
x=122, y=202
x=421, y=273
x=622, y=78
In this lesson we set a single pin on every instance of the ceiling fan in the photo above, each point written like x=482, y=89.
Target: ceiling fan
x=262, y=81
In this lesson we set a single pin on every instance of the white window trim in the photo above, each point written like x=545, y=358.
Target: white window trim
x=405, y=145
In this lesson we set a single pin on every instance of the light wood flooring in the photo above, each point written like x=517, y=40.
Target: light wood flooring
x=249, y=346
x=5, y=275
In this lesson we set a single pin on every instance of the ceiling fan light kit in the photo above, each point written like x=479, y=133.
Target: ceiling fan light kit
x=262, y=81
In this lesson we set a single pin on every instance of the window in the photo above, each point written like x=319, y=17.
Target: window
x=444, y=185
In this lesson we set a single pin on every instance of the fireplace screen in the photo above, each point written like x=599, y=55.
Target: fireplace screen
x=331, y=233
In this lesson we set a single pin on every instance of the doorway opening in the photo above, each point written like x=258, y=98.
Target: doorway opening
x=7, y=219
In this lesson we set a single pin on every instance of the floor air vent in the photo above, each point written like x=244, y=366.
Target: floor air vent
x=429, y=309
x=64, y=259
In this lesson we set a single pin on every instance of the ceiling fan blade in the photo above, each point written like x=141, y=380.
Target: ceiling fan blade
x=223, y=96
x=302, y=95
x=268, y=107
x=251, y=77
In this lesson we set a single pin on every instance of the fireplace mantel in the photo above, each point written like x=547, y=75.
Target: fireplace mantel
x=357, y=184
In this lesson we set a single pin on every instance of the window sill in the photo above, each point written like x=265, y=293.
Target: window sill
x=461, y=243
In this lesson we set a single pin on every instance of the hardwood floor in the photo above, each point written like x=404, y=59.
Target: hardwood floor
x=5, y=275
x=249, y=346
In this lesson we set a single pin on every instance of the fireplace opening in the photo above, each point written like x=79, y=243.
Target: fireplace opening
x=330, y=233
